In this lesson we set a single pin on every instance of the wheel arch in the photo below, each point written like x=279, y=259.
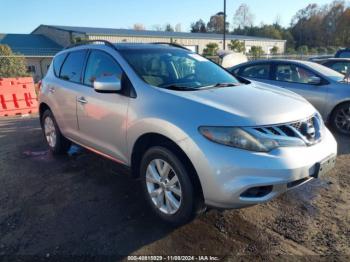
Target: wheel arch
x=329, y=118
x=148, y=140
x=42, y=108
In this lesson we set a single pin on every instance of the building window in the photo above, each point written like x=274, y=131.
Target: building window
x=31, y=69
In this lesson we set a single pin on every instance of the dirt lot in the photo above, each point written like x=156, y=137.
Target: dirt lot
x=82, y=204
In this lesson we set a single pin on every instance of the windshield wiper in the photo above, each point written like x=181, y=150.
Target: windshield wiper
x=225, y=84
x=219, y=85
x=179, y=88
x=187, y=88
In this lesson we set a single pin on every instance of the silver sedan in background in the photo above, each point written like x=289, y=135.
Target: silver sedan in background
x=326, y=89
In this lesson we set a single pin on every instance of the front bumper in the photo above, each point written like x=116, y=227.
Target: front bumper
x=226, y=173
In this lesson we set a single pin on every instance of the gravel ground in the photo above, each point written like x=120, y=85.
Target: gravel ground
x=87, y=206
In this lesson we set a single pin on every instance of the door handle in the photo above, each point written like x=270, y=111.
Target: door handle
x=82, y=100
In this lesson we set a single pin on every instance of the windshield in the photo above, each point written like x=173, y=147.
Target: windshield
x=176, y=69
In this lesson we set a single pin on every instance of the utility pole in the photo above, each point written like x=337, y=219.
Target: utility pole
x=224, y=42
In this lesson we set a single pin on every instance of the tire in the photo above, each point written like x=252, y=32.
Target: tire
x=340, y=119
x=167, y=211
x=57, y=143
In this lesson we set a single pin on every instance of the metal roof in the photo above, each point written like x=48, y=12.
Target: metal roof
x=30, y=44
x=150, y=33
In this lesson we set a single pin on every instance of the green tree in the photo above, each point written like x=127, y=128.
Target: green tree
x=331, y=49
x=169, y=28
x=11, y=65
x=198, y=27
x=256, y=51
x=287, y=35
x=274, y=50
x=79, y=39
x=304, y=50
x=290, y=51
x=211, y=49
x=237, y=46
x=313, y=51
x=322, y=50
x=270, y=31
x=216, y=24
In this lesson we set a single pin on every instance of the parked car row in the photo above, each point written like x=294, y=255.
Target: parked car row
x=341, y=65
x=194, y=134
x=340, y=62
x=326, y=89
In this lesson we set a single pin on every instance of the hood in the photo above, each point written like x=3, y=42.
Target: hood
x=249, y=105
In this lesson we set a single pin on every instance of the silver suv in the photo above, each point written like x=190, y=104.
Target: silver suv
x=192, y=133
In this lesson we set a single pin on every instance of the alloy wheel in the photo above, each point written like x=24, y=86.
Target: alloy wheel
x=163, y=186
x=342, y=120
x=50, y=132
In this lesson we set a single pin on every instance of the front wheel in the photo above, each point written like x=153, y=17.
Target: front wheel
x=340, y=119
x=57, y=143
x=167, y=186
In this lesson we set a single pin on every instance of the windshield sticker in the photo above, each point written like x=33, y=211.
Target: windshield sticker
x=198, y=57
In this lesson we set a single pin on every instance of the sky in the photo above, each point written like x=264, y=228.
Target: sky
x=23, y=16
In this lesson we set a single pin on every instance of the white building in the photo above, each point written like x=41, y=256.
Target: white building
x=64, y=35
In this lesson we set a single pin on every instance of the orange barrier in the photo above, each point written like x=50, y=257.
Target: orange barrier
x=17, y=96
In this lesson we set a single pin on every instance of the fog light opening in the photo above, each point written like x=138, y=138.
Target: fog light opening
x=297, y=182
x=259, y=191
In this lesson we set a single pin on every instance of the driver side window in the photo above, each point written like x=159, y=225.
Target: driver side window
x=260, y=71
x=293, y=73
x=100, y=64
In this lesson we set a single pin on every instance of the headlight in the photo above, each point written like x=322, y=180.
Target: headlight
x=237, y=137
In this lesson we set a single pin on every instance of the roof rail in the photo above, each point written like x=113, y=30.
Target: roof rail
x=86, y=42
x=171, y=44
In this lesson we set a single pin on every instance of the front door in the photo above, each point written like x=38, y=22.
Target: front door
x=102, y=117
x=64, y=89
x=299, y=80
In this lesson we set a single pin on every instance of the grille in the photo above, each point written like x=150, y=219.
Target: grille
x=309, y=130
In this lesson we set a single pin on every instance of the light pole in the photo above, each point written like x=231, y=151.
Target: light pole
x=224, y=42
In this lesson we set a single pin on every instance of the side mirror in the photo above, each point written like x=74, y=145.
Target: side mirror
x=107, y=84
x=314, y=80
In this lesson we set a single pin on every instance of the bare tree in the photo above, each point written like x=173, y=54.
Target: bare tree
x=243, y=17
x=278, y=20
x=157, y=27
x=139, y=27
x=178, y=27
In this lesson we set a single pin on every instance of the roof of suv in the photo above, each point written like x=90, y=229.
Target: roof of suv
x=129, y=46
x=124, y=46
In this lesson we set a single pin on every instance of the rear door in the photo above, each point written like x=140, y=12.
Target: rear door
x=102, y=117
x=64, y=89
x=298, y=79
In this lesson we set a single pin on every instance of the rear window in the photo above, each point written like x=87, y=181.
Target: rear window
x=73, y=66
x=344, y=54
x=57, y=63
